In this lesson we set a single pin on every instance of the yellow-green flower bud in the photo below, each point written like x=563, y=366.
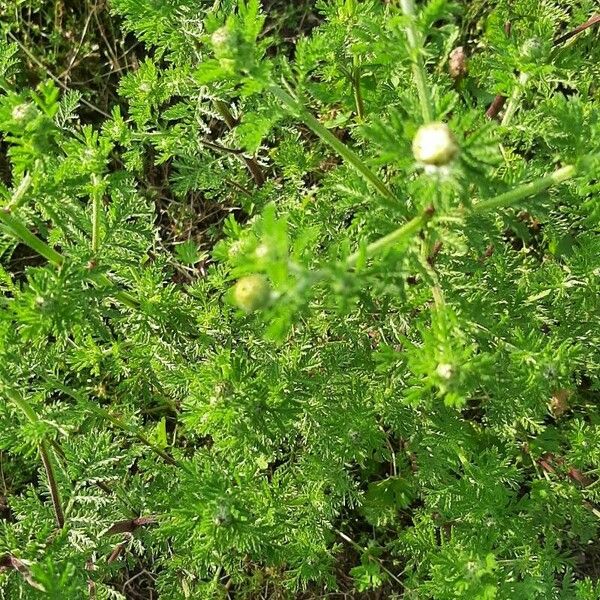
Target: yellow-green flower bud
x=252, y=293
x=434, y=144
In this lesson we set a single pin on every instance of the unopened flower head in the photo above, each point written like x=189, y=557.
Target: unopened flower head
x=435, y=145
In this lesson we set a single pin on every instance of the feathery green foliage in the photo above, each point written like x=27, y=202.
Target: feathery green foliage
x=402, y=394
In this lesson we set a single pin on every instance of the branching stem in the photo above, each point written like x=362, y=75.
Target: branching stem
x=120, y=424
x=416, y=224
x=525, y=190
x=415, y=44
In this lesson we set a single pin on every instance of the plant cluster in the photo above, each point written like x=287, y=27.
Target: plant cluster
x=374, y=369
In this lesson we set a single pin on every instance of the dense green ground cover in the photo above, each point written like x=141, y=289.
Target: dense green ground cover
x=266, y=332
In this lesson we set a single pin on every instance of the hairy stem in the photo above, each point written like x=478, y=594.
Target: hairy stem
x=19, y=194
x=418, y=67
x=513, y=103
x=297, y=109
x=525, y=190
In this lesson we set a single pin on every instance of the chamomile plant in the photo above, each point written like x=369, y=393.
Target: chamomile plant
x=371, y=366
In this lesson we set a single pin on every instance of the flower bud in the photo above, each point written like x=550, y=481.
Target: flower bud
x=435, y=145
x=222, y=515
x=24, y=113
x=445, y=371
x=252, y=293
x=224, y=42
x=532, y=49
x=263, y=251
x=457, y=63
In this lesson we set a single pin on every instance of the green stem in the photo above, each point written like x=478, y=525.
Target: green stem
x=137, y=434
x=525, y=190
x=418, y=67
x=436, y=288
x=16, y=227
x=513, y=103
x=125, y=298
x=412, y=227
x=21, y=403
x=19, y=193
x=404, y=232
x=52, y=485
x=225, y=113
x=358, y=98
x=346, y=153
x=362, y=550
x=96, y=211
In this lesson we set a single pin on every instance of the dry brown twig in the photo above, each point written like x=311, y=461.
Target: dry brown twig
x=9, y=561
